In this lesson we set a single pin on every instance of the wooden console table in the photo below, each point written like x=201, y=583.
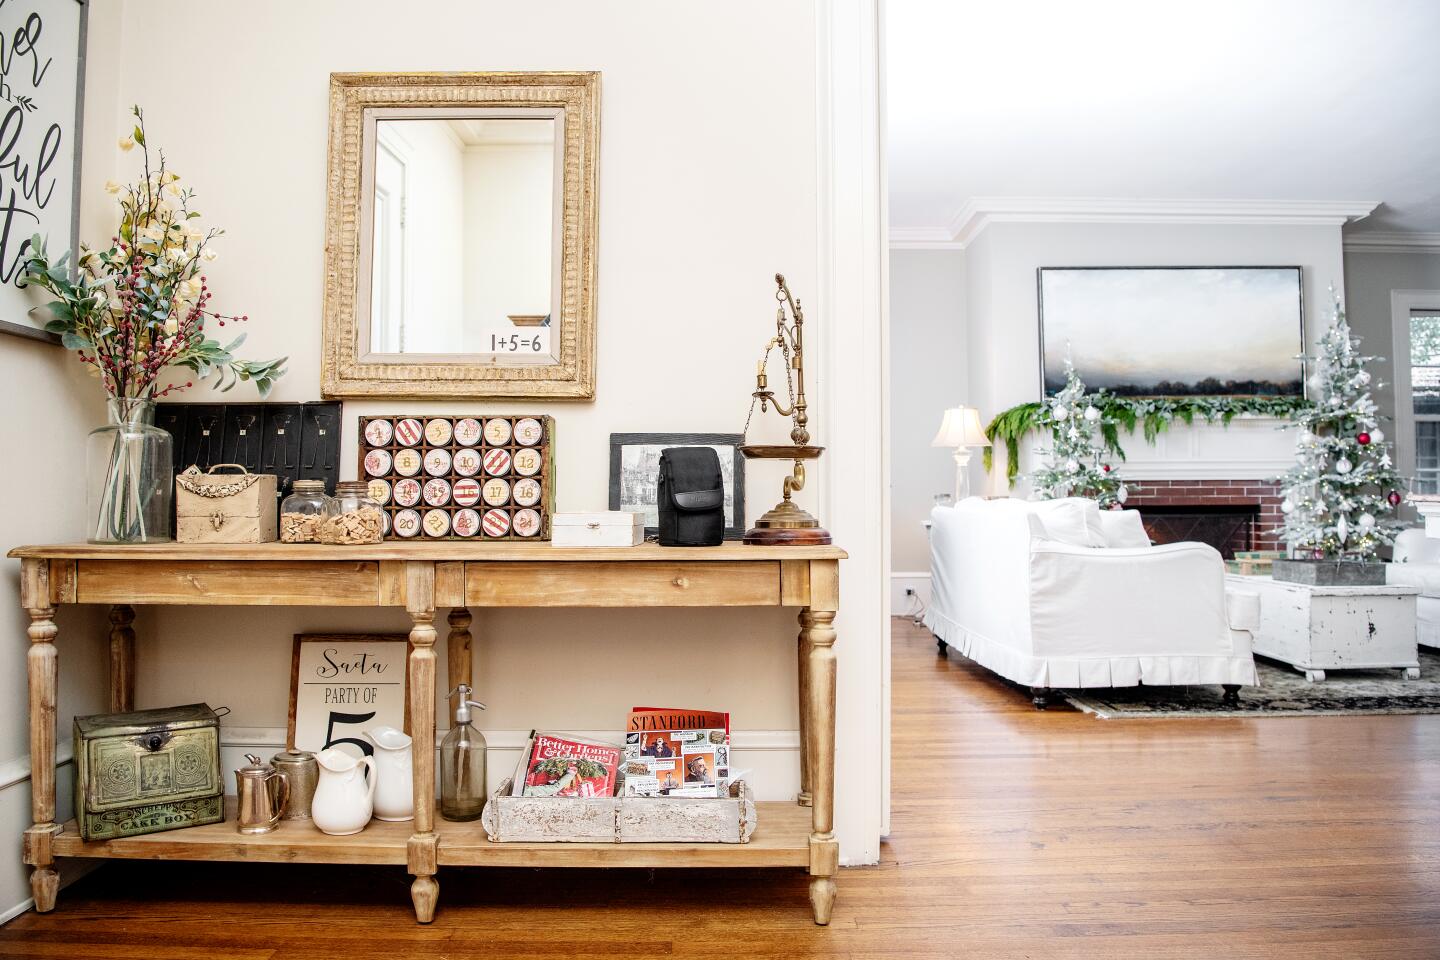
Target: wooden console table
x=421, y=577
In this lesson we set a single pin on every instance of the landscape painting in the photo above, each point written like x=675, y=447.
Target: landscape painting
x=1174, y=331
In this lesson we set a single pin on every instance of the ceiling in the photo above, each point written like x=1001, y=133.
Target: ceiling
x=1272, y=100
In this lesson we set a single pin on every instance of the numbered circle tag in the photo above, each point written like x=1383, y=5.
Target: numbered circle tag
x=437, y=463
x=467, y=432
x=438, y=432
x=384, y=524
x=379, y=491
x=407, y=523
x=377, y=463
x=467, y=463
x=497, y=432
x=407, y=462
x=527, y=522
x=378, y=432
x=496, y=492
x=466, y=523
x=527, y=462
x=466, y=492
x=436, y=523
x=408, y=432
x=496, y=523
x=437, y=492
x=527, y=492
x=407, y=492
x=497, y=462
x=528, y=432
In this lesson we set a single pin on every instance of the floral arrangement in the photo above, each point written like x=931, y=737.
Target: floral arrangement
x=140, y=306
x=1152, y=414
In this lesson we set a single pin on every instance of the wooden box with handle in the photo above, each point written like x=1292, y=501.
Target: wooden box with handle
x=216, y=507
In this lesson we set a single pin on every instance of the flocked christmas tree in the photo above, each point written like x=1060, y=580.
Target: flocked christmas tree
x=1340, y=496
x=1075, y=463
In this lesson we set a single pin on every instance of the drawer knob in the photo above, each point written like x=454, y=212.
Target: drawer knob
x=681, y=582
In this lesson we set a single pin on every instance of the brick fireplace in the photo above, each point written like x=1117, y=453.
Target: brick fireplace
x=1229, y=515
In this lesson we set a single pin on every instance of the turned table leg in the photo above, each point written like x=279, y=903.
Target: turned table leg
x=459, y=665
x=422, y=850
x=43, y=667
x=804, y=646
x=820, y=735
x=122, y=658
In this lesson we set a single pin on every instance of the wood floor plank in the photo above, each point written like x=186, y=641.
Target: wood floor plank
x=1016, y=834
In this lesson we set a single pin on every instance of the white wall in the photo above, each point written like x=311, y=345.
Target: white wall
x=1004, y=336
x=509, y=193
x=434, y=232
x=698, y=209
x=928, y=373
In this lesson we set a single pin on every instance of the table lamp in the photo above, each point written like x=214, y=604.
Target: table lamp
x=961, y=429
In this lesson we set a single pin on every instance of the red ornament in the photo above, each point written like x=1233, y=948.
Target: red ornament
x=1394, y=498
x=1106, y=468
x=1362, y=438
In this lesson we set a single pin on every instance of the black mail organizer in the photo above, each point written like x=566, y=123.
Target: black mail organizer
x=294, y=441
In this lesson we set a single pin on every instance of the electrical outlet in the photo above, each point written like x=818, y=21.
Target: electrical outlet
x=909, y=591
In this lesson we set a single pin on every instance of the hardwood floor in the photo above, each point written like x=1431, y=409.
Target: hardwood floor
x=1015, y=834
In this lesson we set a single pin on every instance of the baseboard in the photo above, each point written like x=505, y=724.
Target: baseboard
x=902, y=605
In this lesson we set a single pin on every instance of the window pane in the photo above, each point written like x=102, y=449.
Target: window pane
x=1427, y=456
x=1425, y=362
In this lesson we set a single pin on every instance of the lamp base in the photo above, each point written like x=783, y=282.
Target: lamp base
x=786, y=525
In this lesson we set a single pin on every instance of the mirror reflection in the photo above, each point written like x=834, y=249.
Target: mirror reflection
x=463, y=238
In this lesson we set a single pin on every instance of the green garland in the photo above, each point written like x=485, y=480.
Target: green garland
x=1152, y=414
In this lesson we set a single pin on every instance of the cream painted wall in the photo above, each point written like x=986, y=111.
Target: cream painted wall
x=509, y=193
x=1003, y=327
x=50, y=407
x=928, y=373
x=698, y=209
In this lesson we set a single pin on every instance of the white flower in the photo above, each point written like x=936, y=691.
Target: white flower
x=173, y=190
x=172, y=325
x=172, y=176
x=209, y=255
x=189, y=288
x=152, y=231
x=112, y=186
x=127, y=143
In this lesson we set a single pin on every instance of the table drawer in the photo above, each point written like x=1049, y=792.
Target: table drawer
x=624, y=584
x=351, y=583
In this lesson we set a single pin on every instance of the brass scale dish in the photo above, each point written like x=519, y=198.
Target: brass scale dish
x=785, y=523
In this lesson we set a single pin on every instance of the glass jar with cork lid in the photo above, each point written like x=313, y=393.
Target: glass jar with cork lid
x=302, y=512
x=351, y=516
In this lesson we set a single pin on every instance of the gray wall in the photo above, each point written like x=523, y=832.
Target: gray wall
x=1369, y=278
x=927, y=375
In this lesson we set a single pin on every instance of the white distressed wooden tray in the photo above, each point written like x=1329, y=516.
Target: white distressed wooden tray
x=730, y=819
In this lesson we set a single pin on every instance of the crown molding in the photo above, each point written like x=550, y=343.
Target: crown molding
x=931, y=239
x=1379, y=241
x=979, y=212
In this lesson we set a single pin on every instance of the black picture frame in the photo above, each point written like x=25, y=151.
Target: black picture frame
x=735, y=529
x=1301, y=342
x=22, y=329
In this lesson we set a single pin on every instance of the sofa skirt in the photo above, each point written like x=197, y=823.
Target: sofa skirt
x=1074, y=673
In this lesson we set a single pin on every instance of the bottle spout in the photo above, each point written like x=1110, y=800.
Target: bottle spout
x=462, y=709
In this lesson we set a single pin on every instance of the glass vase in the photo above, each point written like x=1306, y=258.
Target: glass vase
x=130, y=478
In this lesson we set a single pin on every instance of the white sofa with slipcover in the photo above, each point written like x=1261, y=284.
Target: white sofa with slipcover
x=1061, y=594
x=1417, y=564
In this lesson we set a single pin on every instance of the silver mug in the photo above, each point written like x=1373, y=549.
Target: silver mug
x=302, y=773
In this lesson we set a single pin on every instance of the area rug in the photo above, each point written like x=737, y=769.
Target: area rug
x=1283, y=692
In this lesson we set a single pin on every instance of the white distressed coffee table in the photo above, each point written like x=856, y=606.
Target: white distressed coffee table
x=1315, y=629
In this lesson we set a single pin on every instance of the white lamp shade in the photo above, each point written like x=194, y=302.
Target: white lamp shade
x=961, y=428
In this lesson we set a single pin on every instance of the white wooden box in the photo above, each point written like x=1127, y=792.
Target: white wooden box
x=615, y=528
x=620, y=819
x=1319, y=628
x=225, y=508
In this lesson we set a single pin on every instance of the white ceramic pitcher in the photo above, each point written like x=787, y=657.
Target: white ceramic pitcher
x=395, y=792
x=343, y=800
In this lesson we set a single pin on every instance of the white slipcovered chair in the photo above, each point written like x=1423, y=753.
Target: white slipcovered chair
x=1060, y=594
x=1417, y=564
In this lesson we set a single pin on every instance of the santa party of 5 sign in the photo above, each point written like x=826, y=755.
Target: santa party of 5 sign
x=344, y=684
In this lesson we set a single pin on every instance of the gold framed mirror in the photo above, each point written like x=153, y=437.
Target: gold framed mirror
x=460, y=235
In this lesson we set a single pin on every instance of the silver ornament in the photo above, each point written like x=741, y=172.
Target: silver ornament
x=1059, y=412
x=1377, y=436
x=1343, y=466
x=1092, y=413
x=1366, y=522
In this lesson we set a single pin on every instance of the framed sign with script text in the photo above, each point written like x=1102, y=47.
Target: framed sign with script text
x=342, y=684
x=42, y=82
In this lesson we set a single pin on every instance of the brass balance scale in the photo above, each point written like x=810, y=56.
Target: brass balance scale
x=785, y=524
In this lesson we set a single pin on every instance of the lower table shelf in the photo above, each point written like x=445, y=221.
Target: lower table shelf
x=781, y=839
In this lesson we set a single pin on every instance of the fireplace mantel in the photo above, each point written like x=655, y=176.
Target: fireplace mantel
x=1250, y=447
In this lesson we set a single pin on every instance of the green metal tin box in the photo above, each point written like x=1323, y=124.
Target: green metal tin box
x=147, y=771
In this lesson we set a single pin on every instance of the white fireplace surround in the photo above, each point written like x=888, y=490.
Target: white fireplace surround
x=1250, y=448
